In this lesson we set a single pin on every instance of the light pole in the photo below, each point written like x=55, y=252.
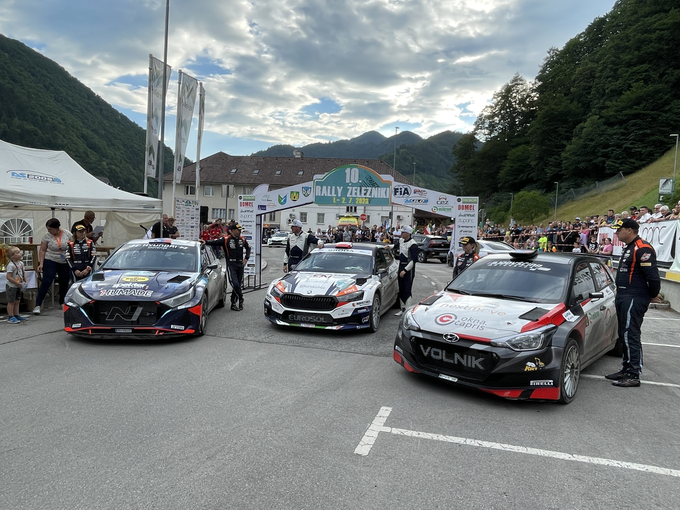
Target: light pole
x=675, y=164
x=394, y=167
x=414, y=173
x=557, y=192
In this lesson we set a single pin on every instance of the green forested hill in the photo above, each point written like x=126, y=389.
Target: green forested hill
x=42, y=106
x=605, y=103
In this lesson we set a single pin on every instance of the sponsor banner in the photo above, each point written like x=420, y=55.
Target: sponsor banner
x=153, y=112
x=187, y=218
x=201, y=117
x=284, y=198
x=186, y=100
x=661, y=235
x=465, y=213
x=246, y=218
x=352, y=185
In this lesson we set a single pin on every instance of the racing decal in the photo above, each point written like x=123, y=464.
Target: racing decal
x=542, y=382
x=466, y=360
x=130, y=314
x=129, y=286
x=348, y=290
x=531, y=266
x=569, y=317
x=532, y=366
x=135, y=279
x=125, y=292
x=489, y=308
x=645, y=257
x=446, y=319
x=175, y=326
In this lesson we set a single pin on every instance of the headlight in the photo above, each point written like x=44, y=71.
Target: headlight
x=408, y=321
x=78, y=298
x=527, y=341
x=354, y=296
x=176, y=301
x=279, y=290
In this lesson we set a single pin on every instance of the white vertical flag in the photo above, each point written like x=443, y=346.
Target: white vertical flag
x=201, y=117
x=186, y=100
x=153, y=114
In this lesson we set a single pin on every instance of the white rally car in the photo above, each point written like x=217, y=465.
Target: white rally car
x=340, y=286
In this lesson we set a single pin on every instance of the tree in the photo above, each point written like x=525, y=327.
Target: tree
x=529, y=205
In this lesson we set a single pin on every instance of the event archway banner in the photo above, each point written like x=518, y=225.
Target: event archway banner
x=353, y=185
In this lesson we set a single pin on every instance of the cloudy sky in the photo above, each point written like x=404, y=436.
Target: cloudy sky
x=303, y=71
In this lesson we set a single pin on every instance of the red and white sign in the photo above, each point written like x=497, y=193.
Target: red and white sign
x=363, y=217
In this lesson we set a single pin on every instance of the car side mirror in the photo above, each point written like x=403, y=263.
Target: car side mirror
x=382, y=271
x=596, y=295
x=214, y=265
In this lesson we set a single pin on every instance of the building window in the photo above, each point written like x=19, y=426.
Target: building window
x=189, y=190
x=368, y=218
x=256, y=171
x=303, y=217
x=233, y=170
x=247, y=191
x=351, y=208
x=320, y=218
x=272, y=216
x=208, y=191
x=231, y=214
x=225, y=190
x=218, y=213
x=278, y=172
x=301, y=172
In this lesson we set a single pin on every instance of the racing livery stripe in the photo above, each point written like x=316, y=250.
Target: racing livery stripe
x=554, y=316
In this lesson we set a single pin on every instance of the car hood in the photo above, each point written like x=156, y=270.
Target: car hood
x=322, y=284
x=137, y=285
x=484, y=317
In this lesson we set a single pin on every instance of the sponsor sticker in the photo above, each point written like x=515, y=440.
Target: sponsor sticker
x=542, y=382
x=175, y=326
x=448, y=378
x=569, y=317
x=532, y=366
x=445, y=319
x=135, y=279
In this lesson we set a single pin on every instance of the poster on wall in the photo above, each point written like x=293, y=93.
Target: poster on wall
x=187, y=218
x=246, y=217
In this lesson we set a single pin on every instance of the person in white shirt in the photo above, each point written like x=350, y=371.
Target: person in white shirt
x=644, y=215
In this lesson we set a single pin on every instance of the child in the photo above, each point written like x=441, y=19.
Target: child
x=16, y=279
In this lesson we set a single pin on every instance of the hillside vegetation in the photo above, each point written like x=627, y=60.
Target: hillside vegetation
x=604, y=104
x=44, y=107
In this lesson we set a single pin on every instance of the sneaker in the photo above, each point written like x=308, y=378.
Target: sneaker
x=629, y=382
x=20, y=318
x=617, y=376
x=400, y=312
x=13, y=320
x=234, y=307
x=36, y=310
x=240, y=305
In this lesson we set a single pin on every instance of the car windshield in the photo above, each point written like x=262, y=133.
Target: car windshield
x=154, y=257
x=280, y=234
x=494, y=245
x=514, y=279
x=337, y=262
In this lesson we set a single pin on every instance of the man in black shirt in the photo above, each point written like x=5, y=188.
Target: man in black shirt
x=237, y=253
x=156, y=229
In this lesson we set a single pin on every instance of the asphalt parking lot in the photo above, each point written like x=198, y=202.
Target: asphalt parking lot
x=254, y=416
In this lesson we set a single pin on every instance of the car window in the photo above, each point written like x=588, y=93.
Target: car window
x=205, y=257
x=536, y=282
x=602, y=276
x=380, y=262
x=388, y=257
x=583, y=283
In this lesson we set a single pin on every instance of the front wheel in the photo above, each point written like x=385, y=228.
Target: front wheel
x=374, y=318
x=570, y=372
x=421, y=256
x=224, y=295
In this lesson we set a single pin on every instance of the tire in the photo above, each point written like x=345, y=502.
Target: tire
x=203, y=324
x=443, y=261
x=570, y=372
x=422, y=257
x=449, y=261
x=224, y=295
x=374, y=318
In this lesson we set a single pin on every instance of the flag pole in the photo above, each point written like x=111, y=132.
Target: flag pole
x=161, y=172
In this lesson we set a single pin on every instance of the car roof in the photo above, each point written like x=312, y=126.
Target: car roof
x=373, y=247
x=178, y=242
x=554, y=257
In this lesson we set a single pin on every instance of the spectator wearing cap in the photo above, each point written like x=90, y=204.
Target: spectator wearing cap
x=297, y=246
x=237, y=253
x=408, y=256
x=469, y=256
x=633, y=212
x=637, y=283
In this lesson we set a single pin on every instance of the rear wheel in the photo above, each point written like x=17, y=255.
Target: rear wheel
x=570, y=372
x=421, y=256
x=224, y=295
x=374, y=318
x=203, y=325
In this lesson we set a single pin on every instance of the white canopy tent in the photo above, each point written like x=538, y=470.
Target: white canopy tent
x=37, y=184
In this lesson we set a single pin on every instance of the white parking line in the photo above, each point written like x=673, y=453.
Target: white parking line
x=378, y=426
x=670, y=385
x=660, y=345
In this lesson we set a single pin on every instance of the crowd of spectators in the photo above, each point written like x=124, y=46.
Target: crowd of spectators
x=577, y=235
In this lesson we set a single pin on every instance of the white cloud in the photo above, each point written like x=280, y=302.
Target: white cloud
x=432, y=63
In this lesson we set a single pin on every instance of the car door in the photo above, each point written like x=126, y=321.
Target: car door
x=604, y=283
x=583, y=285
x=208, y=261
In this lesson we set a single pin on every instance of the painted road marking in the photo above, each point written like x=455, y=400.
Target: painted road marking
x=378, y=426
x=660, y=345
x=660, y=319
x=670, y=385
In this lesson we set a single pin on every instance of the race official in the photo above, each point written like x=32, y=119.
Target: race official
x=237, y=253
x=81, y=254
x=469, y=256
x=408, y=256
x=637, y=283
x=297, y=246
